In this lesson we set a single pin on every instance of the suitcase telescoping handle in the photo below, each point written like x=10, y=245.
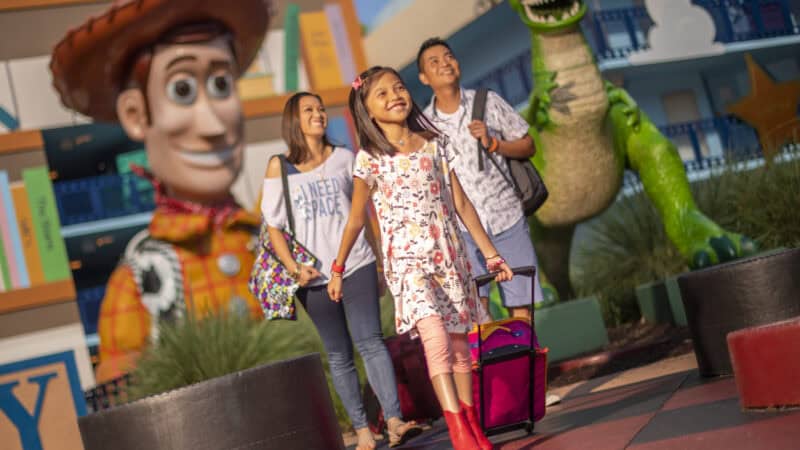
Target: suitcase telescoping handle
x=489, y=277
x=529, y=271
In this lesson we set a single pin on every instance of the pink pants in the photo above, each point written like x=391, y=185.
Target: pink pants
x=445, y=352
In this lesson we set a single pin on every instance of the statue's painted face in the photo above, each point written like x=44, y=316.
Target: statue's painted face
x=194, y=136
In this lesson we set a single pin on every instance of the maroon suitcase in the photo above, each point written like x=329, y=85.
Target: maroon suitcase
x=417, y=399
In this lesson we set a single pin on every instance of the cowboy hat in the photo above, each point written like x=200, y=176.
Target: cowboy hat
x=90, y=62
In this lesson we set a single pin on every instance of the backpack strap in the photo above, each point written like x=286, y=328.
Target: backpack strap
x=286, y=200
x=478, y=113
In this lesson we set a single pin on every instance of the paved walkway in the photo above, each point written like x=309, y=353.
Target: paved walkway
x=665, y=405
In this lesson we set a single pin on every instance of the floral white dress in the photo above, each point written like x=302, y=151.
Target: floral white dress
x=425, y=263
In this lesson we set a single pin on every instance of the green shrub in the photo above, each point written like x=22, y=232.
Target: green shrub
x=192, y=351
x=627, y=245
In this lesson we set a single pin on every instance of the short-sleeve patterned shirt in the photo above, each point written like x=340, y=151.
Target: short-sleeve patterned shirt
x=494, y=199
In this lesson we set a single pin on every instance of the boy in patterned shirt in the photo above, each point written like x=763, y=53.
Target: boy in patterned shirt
x=503, y=133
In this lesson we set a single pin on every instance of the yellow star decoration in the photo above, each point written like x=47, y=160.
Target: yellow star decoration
x=771, y=108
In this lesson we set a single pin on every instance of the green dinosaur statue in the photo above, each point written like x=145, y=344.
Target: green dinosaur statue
x=586, y=130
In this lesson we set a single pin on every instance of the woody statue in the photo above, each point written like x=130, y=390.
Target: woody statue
x=166, y=70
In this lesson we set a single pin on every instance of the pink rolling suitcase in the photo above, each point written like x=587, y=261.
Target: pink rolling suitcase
x=509, y=371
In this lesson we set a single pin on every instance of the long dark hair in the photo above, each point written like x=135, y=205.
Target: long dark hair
x=291, y=131
x=370, y=135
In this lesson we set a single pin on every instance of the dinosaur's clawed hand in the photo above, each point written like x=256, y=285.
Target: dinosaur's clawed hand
x=631, y=109
x=633, y=114
x=720, y=247
x=538, y=114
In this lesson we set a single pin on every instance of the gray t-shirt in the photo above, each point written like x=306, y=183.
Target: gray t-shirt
x=321, y=205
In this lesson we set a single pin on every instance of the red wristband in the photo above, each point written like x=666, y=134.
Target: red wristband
x=335, y=268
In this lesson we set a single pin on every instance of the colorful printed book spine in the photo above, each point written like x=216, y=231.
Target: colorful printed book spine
x=256, y=81
x=88, y=150
x=5, y=276
x=319, y=51
x=30, y=248
x=14, y=255
x=274, y=54
x=302, y=77
x=141, y=185
x=46, y=224
x=254, y=87
x=291, y=49
x=7, y=120
x=344, y=52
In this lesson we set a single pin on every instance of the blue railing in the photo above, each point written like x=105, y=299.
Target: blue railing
x=512, y=80
x=615, y=33
x=744, y=20
x=715, y=137
x=102, y=197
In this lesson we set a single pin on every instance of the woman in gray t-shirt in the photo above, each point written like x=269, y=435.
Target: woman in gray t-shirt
x=320, y=179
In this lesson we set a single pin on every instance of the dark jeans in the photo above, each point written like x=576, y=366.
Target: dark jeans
x=356, y=319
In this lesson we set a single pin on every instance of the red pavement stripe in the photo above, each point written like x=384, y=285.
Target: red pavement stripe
x=708, y=392
x=775, y=433
x=611, y=435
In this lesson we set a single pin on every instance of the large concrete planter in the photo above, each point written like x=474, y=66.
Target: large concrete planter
x=283, y=405
x=736, y=295
x=571, y=328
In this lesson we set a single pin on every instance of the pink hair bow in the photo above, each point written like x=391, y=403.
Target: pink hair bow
x=357, y=83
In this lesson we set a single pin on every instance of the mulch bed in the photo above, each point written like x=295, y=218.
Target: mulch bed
x=630, y=345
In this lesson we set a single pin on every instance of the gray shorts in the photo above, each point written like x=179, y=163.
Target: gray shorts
x=514, y=245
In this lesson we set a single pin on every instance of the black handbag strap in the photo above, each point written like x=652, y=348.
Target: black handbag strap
x=286, y=200
x=478, y=113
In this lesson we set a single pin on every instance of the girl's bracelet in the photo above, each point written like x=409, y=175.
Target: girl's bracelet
x=491, y=267
x=336, y=268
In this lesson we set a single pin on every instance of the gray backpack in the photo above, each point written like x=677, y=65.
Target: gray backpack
x=525, y=179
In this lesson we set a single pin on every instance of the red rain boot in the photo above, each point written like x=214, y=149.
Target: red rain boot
x=475, y=426
x=460, y=432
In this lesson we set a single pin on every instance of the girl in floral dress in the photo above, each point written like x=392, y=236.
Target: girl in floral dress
x=403, y=168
